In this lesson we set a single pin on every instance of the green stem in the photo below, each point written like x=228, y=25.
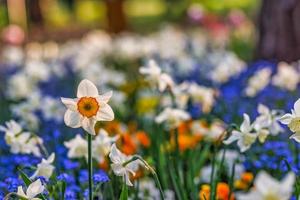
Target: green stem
x=90, y=166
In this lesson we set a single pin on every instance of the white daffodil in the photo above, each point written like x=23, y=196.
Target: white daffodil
x=172, y=116
x=203, y=95
x=268, y=119
x=78, y=147
x=258, y=82
x=181, y=95
x=287, y=77
x=88, y=108
x=266, y=187
x=19, y=141
x=102, y=144
x=45, y=168
x=245, y=137
x=293, y=121
x=155, y=76
x=32, y=191
x=120, y=166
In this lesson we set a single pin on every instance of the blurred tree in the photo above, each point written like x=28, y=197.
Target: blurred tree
x=34, y=11
x=279, y=30
x=116, y=17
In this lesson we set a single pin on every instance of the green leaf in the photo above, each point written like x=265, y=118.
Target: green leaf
x=25, y=178
x=27, y=181
x=124, y=193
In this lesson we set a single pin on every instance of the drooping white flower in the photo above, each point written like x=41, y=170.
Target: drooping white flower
x=287, y=77
x=45, y=168
x=155, y=76
x=258, y=82
x=32, y=191
x=102, y=145
x=293, y=121
x=172, y=116
x=245, y=137
x=88, y=108
x=78, y=147
x=120, y=166
x=266, y=187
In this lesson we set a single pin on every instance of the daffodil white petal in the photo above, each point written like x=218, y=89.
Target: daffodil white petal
x=34, y=189
x=246, y=125
x=72, y=119
x=234, y=136
x=20, y=192
x=87, y=89
x=70, y=103
x=296, y=137
x=297, y=108
x=89, y=125
x=105, y=113
x=105, y=97
x=286, y=119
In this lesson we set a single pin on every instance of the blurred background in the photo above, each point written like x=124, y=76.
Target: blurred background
x=257, y=29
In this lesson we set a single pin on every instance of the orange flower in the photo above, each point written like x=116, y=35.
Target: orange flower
x=223, y=192
x=143, y=138
x=104, y=165
x=247, y=177
x=128, y=145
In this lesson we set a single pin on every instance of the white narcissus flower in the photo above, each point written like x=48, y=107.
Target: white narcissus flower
x=155, y=76
x=45, y=168
x=266, y=187
x=120, y=166
x=245, y=138
x=258, y=82
x=287, y=77
x=172, y=116
x=78, y=147
x=32, y=191
x=293, y=121
x=102, y=144
x=268, y=119
x=19, y=141
x=88, y=108
x=203, y=95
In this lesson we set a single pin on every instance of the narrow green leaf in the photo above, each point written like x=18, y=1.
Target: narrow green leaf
x=124, y=193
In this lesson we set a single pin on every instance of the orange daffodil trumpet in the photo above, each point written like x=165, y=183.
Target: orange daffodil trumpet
x=88, y=108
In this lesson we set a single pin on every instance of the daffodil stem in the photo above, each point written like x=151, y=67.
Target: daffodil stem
x=90, y=166
x=152, y=171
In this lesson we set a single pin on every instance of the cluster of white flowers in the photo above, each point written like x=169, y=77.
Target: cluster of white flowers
x=258, y=82
x=214, y=131
x=21, y=141
x=100, y=146
x=266, y=123
x=287, y=77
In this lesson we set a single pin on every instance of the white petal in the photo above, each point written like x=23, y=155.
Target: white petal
x=87, y=89
x=246, y=126
x=115, y=155
x=286, y=119
x=35, y=188
x=70, y=103
x=72, y=119
x=105, y=97
x=287, y=183
x=296, y=137
x=20, y=192
x=105, y=113
x=51, y=158
x=264, y=183
x=262, y=109
x=234, y=136
x=297, y=107
x=89, y=125
x=127, y=179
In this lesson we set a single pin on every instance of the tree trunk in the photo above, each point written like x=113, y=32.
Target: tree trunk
x=116, y=16
x=279, y=30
